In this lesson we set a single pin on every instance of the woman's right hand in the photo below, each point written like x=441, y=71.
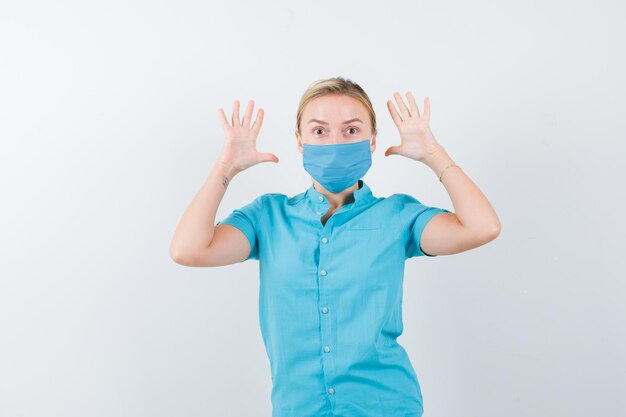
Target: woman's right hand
x=239, y=149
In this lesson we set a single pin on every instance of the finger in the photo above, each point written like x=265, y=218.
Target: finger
x=414, y=110
x=393, y=150
x=403, y=109
x=267, y=157
x=248, y=114
x=394, y=113
x=259, y=121
x=235, y=117
x=223, y=119
x=427, y=108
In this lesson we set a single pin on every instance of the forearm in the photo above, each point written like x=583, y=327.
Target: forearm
x=470, y=205
x=196, y=227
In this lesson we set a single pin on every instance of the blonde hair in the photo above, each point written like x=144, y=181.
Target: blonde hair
x=335, y=85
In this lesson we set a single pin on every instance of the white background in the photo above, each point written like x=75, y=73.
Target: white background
x=109, y=125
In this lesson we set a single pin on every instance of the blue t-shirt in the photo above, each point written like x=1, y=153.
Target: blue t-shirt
x=330, y=300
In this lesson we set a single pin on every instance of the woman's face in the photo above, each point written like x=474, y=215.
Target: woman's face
x=333, y=119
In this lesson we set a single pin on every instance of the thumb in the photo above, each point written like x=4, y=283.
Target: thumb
x=267, y=157
x=395, y=150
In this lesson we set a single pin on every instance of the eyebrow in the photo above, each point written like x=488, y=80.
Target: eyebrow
x=346, y=122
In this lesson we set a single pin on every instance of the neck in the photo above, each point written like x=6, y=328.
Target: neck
x=336, y=200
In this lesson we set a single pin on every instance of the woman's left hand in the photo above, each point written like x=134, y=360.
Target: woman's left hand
x=416, y=139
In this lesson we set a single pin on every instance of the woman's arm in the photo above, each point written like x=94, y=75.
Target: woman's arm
x=191, y=244
x=196, y=241
x=474, y=222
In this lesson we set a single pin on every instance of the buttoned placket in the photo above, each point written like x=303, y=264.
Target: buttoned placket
x=326, y=319
x=324, y=275
x=325, y=245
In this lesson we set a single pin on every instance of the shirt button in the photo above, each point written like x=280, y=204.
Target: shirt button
x=318, y=212
x=331, y=390
x=324, y=240
x=323, y=272
x=321, y=198
x=324, y=310
x=326, y=349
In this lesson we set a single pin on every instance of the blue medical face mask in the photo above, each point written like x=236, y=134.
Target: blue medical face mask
x=337, y=166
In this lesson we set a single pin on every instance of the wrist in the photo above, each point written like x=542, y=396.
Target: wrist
x=226, y=168
x=438, y=160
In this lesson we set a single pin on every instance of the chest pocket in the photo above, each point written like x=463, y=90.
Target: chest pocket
x=369, y=252
x=364, y=237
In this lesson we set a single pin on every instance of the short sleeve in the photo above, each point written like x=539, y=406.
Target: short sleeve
x=417, y=216
x=248, y=220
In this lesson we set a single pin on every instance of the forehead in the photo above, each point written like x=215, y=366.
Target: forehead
x=334, y=108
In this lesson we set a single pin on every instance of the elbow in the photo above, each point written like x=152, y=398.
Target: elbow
x=182, y=259
x=198, y=258
x=493, y=232
x=485, y=234
x=177, y=257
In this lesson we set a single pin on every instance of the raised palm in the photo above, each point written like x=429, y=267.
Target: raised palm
x=239, y=148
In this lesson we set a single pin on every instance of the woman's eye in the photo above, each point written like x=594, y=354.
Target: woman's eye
x=351, y=128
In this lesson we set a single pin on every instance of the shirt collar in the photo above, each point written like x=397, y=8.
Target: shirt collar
x=363, y=193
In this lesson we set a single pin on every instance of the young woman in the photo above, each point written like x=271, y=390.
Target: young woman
x=331, y=259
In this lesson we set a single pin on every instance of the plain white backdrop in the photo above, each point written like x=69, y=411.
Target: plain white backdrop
x=109, y=125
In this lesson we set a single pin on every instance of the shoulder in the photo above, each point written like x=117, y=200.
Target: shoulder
x=271, y=198
x=402, y=200
x=410, y=207
x=273, y=202
x=280, y=199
